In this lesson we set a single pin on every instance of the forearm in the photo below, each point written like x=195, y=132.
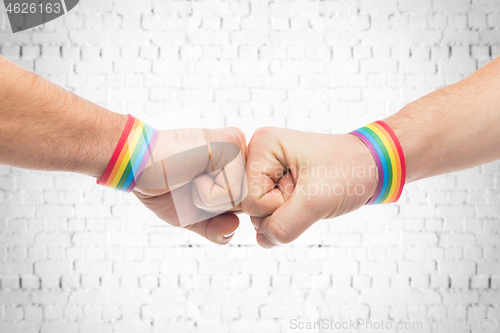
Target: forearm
x=45, y=127
x=453, y=128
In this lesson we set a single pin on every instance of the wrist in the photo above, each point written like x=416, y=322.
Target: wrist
x=108, y=130
x=414, y=138
x=386, y=149
x=366, y=168
x=130, y=156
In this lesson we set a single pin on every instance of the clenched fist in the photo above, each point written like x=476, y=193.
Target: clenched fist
x=297, y=178
x=196, y=179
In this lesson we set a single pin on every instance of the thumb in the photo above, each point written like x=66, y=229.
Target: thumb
x=289, y=221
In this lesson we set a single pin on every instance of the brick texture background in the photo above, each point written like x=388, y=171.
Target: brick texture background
x=75, y=257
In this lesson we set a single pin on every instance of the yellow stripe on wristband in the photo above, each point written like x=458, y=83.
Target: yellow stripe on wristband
x=388, y=154
x=130, y=156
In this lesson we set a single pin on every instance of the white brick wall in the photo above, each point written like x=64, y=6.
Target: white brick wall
x=75, y=257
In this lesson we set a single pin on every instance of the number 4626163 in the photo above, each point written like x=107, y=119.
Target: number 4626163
x=32, y=8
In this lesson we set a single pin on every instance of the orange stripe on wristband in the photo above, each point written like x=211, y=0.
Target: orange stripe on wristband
x=388, y=154
x=396, y=167
x=130, y=155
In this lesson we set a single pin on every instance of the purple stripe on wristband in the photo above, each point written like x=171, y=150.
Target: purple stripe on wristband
x=377, y=161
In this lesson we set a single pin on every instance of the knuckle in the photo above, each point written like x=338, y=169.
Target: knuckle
x=263, y=132
x=240, y=135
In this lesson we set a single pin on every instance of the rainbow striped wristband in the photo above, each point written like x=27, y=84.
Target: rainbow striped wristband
x=130, y=156
x=388, y=154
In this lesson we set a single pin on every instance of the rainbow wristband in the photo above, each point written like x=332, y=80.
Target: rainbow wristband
x=130, y=156
x=388, y=154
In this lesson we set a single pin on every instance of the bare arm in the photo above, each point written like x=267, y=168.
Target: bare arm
x=45, y=127
x=454, y=128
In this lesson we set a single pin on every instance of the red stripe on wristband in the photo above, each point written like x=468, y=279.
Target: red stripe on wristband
x=118, y=149
x=388, y=154
x=131, y=155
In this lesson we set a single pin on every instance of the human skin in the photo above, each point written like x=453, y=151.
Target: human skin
x=453, y=128
x=45, y=127
x=172, y=203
